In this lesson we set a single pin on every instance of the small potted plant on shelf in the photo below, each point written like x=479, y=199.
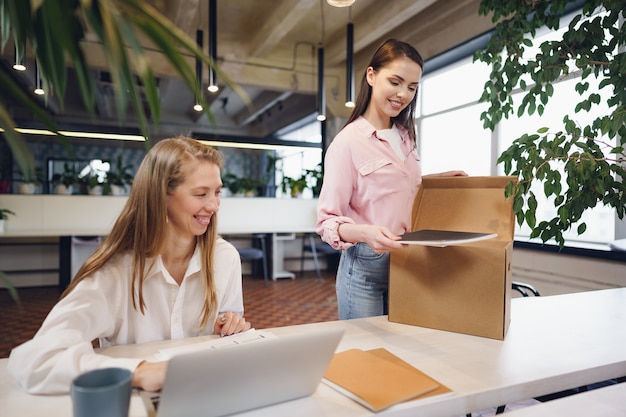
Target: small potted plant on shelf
x=30, y=182
x=120, y=179
x=95, y=179
x=64, y=182
x=240, y=186
x=4, y=215
x=95, y=184
x=315, y=176
x=250, y=186
x=294, y=186
x=232, y=183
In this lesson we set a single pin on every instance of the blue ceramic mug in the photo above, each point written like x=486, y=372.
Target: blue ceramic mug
x=102, y=393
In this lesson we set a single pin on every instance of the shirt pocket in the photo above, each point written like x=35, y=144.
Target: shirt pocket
x=372, y=166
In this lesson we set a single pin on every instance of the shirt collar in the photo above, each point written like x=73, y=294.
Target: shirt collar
x=158, y=268
x=369, y=130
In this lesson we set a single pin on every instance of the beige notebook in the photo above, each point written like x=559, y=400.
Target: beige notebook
x=378, y=379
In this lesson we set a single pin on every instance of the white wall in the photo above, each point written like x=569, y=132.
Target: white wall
x=557, y=273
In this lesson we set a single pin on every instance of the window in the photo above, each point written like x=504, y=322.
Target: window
x=451, y=135
x=292, y=163
x=600, y=220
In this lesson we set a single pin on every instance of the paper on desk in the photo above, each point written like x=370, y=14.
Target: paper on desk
x=248, y=336
x=377, y=379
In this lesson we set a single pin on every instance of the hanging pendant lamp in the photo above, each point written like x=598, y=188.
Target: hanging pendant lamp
x=340, y=3
x=199, y=41
x=321, y=93
x=18, y=65
x=350, y=66
x=38, y=84
x=213, y=45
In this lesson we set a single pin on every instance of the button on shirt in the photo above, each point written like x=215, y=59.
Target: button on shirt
x=101, y=307
x=365, y=182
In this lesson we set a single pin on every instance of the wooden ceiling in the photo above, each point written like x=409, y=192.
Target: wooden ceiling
x=268, y=47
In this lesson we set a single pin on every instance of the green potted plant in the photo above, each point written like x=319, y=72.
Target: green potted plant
x=4, y=215
x=250, y=186
x=120, y=178
x=241, y=186
x=95, y=183
x=315, y=178
x=94, y=178
x=64, y=181
x=294, y=186
x=30, y=182
x=232, y=183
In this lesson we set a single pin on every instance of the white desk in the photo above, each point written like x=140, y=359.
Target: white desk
x=602, y=402
x=278, y=255
x=554, y=343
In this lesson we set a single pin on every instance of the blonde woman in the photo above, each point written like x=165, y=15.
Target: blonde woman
x=162, y=273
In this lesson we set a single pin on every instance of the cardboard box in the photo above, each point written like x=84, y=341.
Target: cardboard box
x=465, y=288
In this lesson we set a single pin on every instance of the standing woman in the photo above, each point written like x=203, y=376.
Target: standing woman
x=162, y=273
x=371, y=177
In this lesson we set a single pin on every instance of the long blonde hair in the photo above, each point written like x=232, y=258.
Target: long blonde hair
x=140, y=227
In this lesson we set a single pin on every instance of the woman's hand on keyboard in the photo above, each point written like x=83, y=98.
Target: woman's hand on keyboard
x=149, y=376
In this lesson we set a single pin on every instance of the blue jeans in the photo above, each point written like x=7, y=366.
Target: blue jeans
x=362, y=282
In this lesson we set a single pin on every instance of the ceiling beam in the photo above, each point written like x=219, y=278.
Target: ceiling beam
x=286, y=15
x=373, y=24
x=262, y=103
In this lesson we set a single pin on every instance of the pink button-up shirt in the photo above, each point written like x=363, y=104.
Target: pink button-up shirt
x=366, y=183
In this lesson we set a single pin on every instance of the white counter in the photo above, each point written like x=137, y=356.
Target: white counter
x=60, y=215
x=41, y=216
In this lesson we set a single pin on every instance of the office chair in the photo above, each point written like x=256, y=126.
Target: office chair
x=317, y=249
x=523, y=288
x=255, y=253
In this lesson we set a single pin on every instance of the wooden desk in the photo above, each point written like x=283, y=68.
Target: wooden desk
x=554, y=343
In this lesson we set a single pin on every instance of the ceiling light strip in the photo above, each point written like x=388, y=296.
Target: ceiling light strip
x=260, y=146
x=138, y=138
x=87, y=135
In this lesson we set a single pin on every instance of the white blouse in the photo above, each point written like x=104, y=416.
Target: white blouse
x=101, y=307
x=392, y=136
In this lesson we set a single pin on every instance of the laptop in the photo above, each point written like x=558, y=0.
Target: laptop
x=217, y=382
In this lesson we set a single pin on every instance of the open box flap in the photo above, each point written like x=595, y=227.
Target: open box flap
x=465, y=204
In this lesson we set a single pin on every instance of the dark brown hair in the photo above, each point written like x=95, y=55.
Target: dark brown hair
x=390, y=50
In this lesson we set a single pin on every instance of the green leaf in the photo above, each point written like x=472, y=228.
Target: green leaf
x=10, y=287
